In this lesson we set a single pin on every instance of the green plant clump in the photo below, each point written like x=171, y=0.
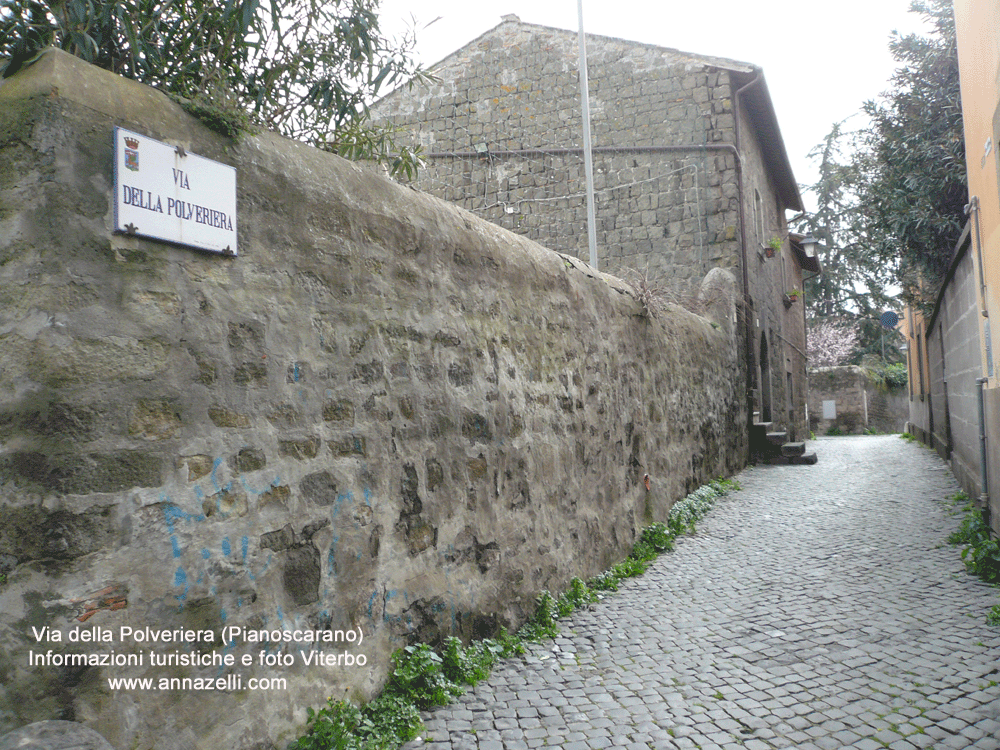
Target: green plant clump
x=576, y=597
x=543, y=624
x=982, y=552
x=388, y=721
x=890, y=377
x=993, y=618
x=606, y=581
x=687, y=512
x=419, y=676
x=658, y=537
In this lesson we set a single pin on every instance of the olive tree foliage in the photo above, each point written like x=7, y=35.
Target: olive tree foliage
x=913, y=187
x=304, y=68
x=891, y=192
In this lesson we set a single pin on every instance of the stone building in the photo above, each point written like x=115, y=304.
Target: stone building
x=690, y=173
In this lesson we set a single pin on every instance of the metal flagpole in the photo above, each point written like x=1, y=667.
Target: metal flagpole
x=588, y=159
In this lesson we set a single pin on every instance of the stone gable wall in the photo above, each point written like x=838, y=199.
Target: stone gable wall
x=385, y=416
x=516, y=89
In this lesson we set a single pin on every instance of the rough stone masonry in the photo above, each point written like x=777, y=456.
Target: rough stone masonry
x=385, y=421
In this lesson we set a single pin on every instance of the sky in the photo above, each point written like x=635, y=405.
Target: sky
x=821, y=59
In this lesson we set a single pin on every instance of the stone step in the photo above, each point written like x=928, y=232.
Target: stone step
x=778, y=438
x=793, y=449
x=803, y=460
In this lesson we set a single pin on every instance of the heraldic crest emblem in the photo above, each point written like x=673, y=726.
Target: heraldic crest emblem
x=132, y=154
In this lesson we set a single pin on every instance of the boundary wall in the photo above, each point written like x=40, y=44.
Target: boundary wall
x=945, y=360
x=385, y=419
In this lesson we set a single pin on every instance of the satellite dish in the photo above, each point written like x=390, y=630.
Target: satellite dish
x=889, y=320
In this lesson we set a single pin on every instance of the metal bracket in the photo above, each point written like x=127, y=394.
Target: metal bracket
x=179, y=150
x=131, y=229
x=228, y=252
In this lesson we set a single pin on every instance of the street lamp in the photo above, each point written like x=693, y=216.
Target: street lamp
x=809, y=244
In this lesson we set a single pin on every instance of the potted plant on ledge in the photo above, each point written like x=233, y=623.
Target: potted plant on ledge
x=792, y=296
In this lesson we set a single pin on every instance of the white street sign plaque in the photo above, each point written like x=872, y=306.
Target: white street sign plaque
x=164, y=193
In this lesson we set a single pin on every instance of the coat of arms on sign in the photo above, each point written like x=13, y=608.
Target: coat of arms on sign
x=132, y=154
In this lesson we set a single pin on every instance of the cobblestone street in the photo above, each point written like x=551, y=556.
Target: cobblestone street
x=819, y=607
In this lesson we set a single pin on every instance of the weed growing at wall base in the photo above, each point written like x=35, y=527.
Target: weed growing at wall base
x=423, y=677
x=981, y=552
x=993, y=618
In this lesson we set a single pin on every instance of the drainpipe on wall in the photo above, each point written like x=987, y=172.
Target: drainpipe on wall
x=747, y=300
x=984, y=494
x=973, y=209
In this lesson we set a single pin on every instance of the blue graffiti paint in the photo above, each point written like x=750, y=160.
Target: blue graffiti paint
x=171, y=514
x=227, y=549
x=205, y=554
x=180, y=579
x=255, y=491
x=245, y=545
x=346, y=497
x=215, y=480
x=392, y=594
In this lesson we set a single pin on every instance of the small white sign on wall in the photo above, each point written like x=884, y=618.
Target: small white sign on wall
x=829, y=410
x=165, y=193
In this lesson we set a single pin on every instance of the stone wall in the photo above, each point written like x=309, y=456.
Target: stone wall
x=860, y=406
x=944, y=405
x=845, y=386
x=515, y=91
x=385, y=417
